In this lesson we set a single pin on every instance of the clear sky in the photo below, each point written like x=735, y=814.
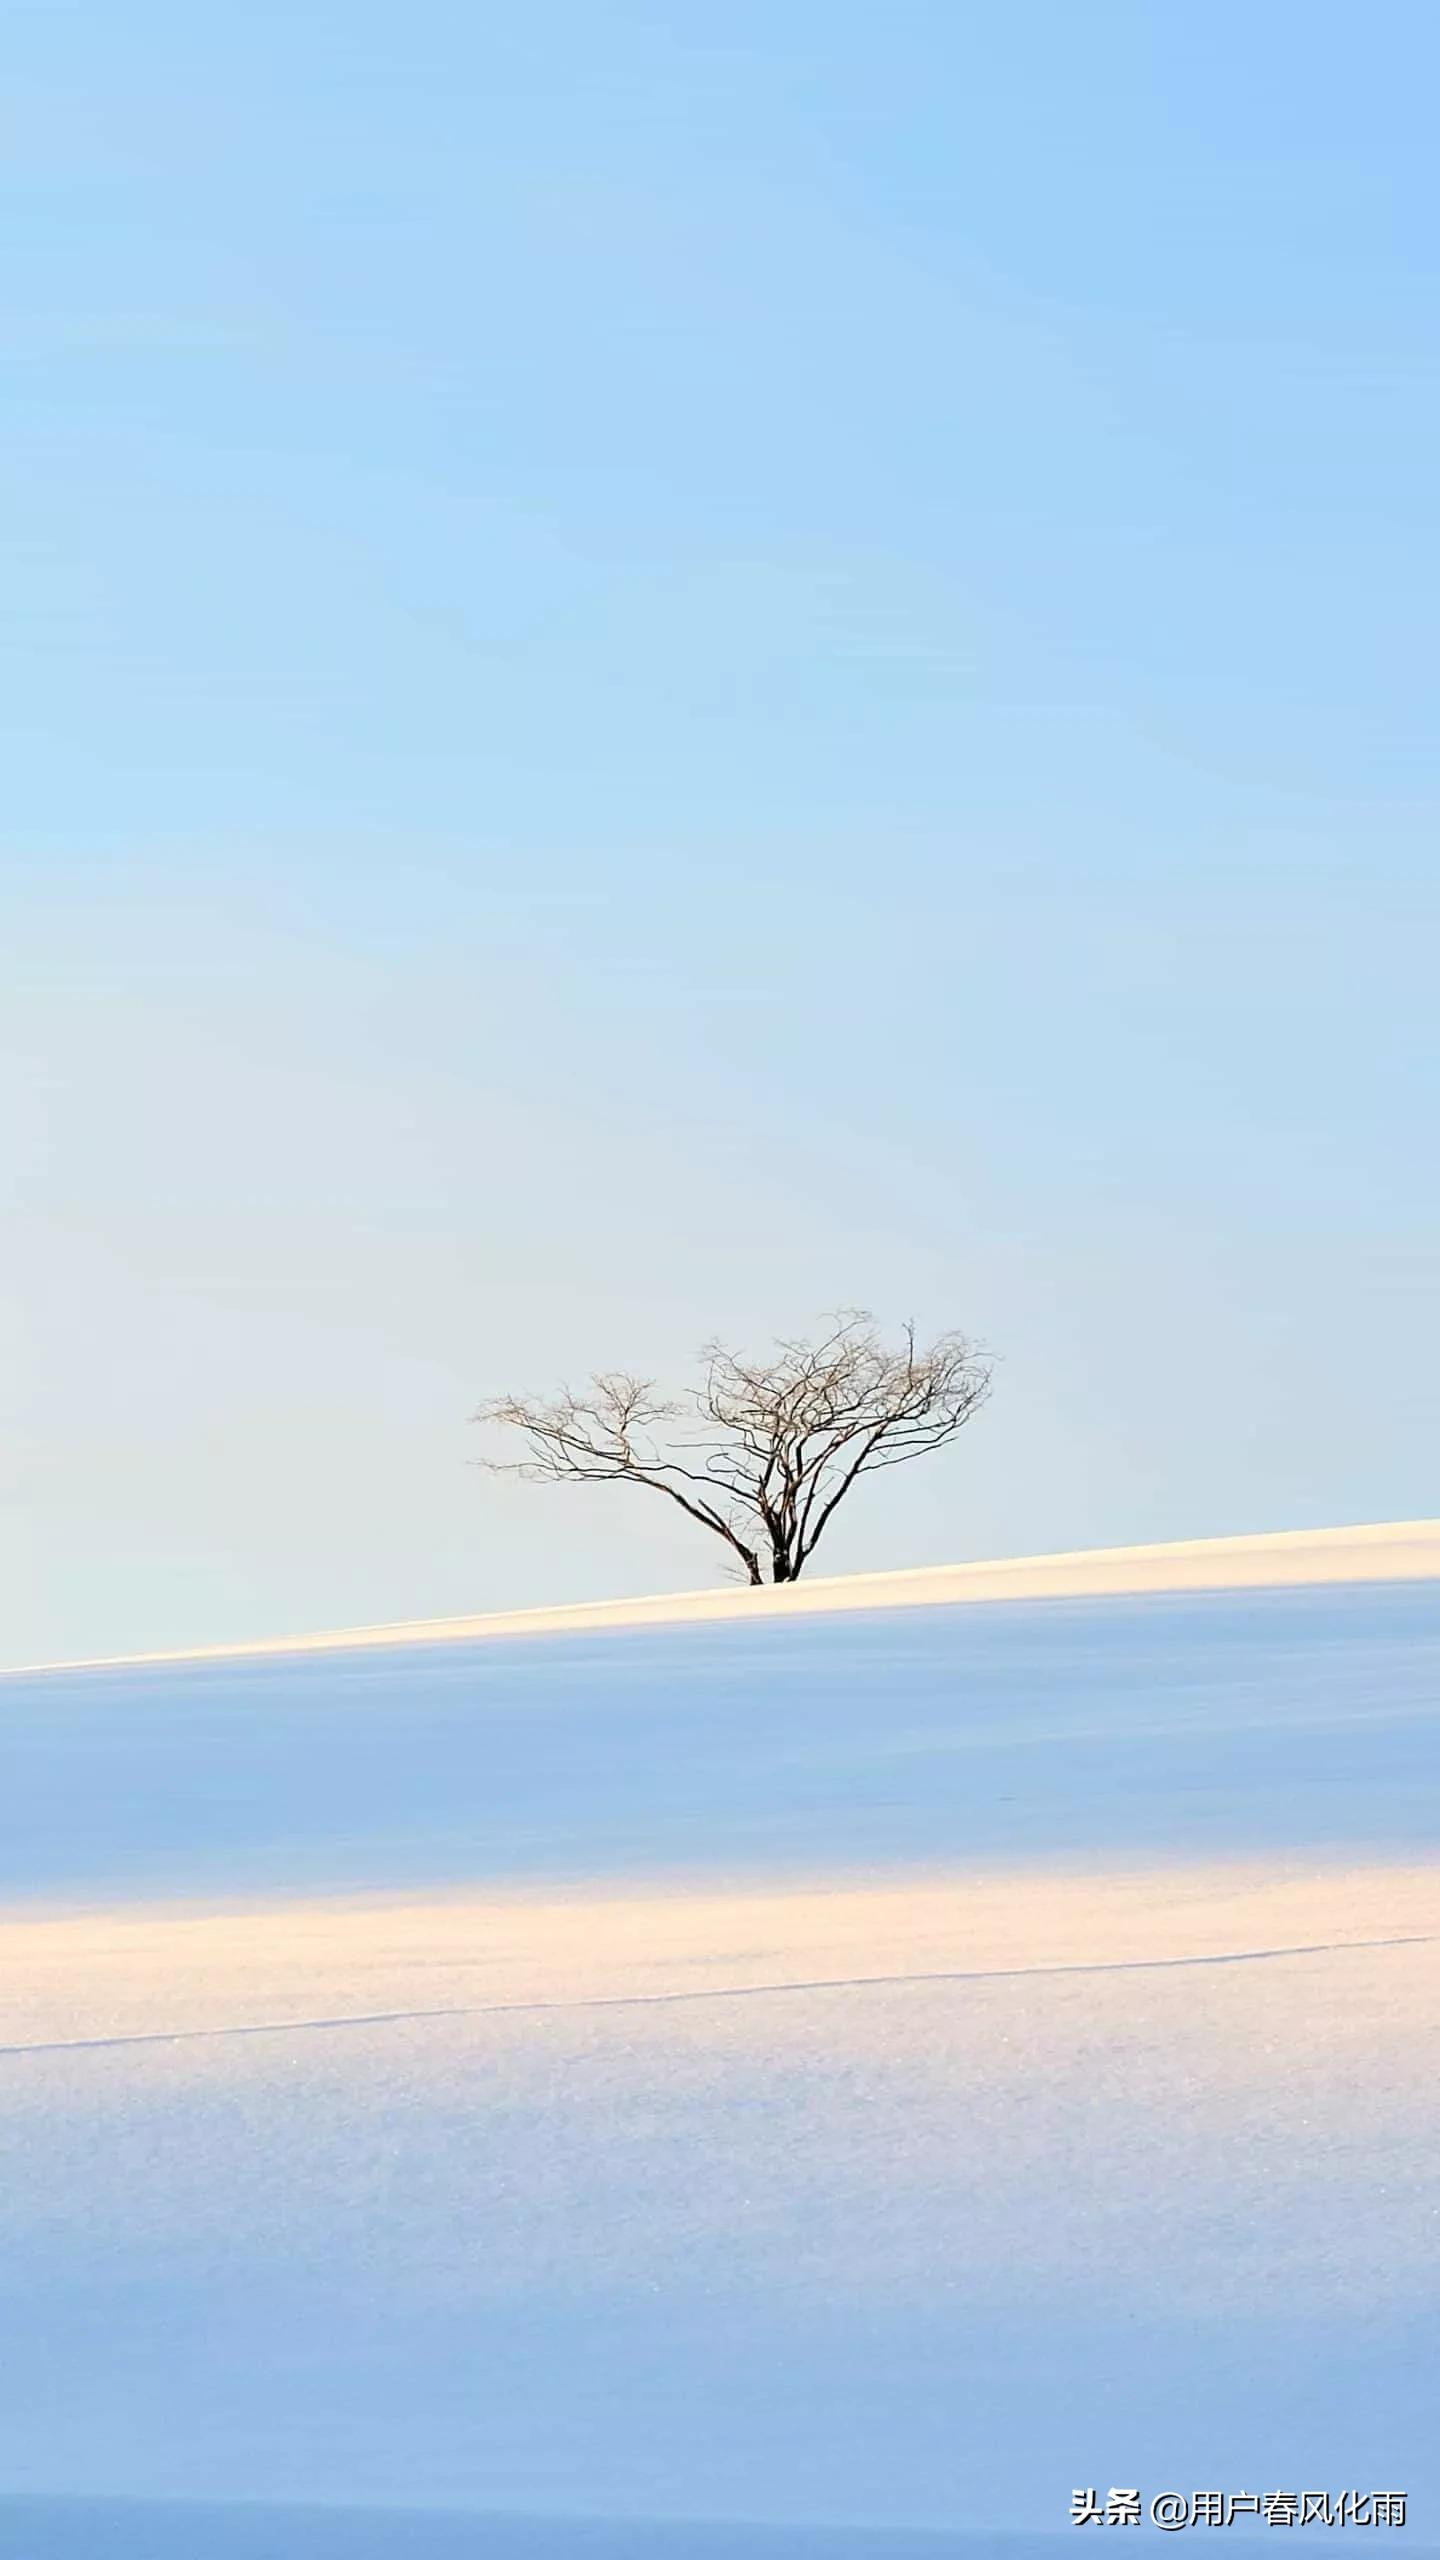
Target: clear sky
x=669, y=665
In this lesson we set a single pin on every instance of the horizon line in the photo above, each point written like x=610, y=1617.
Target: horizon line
x=1276, y=1559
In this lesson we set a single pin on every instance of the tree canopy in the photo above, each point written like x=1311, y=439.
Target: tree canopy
x=762, y=1451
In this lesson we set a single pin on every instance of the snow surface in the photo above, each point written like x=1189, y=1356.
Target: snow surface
x=881, y=2071
x=1380, y=1551
x=116, y=2529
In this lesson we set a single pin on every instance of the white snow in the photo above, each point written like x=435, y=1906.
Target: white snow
x=881, y=2069
x=1386, y=1551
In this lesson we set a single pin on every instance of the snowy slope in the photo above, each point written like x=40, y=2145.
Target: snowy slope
x=1380, y=1551
x=886, y=2069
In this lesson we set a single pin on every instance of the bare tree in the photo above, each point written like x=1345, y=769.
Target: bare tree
x=763, y=1451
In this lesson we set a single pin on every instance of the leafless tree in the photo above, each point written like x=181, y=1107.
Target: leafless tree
x=763, y=1451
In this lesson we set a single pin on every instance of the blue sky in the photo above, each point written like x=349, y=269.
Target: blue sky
x=669, y=666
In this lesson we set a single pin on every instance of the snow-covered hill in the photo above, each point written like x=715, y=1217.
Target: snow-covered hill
x=883, y=2069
